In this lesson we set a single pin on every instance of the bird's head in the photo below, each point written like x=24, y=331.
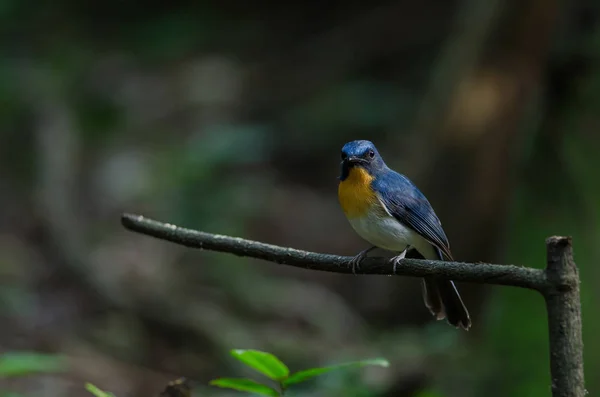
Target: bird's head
x=360, y=154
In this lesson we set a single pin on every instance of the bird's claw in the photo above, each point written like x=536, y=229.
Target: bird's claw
x=396, y=259
x=355, y=262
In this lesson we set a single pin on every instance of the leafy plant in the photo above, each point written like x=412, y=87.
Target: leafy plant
x=265, y=363
x=270, y=366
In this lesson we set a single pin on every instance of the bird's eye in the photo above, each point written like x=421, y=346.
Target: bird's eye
x=371, y=153
x=343, y=156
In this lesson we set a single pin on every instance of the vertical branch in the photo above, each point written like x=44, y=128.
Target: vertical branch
x=564, y=319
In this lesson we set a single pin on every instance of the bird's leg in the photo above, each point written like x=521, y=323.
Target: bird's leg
x=396, y=259
x=355, y=262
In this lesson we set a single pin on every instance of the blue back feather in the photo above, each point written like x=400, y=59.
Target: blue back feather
x=408, y=205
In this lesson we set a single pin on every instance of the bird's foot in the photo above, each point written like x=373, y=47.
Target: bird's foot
x=355, y=262
x=396, y=259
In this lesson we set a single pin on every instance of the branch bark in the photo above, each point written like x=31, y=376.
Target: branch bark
x=558, y=283
x=476, y=273
x=564, y=319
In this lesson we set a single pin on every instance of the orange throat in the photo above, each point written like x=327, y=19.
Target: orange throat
x=355, y=193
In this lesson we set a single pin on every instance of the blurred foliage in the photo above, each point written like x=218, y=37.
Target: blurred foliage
x=15, y=364
x=96, y=391
x=28, y=364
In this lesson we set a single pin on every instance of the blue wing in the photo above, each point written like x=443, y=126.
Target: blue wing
x=405, y=202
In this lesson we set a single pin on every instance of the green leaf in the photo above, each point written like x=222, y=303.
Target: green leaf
x=301, y=376
x=263, y=362
x=243, y=384
x=97, y=392
x=26, y=363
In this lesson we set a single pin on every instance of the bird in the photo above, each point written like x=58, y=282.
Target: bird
x=387, y=210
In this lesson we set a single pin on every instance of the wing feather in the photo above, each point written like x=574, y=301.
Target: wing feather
x=408, y=205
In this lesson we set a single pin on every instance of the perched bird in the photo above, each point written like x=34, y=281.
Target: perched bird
x=386, y=209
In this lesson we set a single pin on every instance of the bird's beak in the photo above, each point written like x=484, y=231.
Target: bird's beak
x=355, y=160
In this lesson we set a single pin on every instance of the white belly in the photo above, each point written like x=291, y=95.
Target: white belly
x=387, y=233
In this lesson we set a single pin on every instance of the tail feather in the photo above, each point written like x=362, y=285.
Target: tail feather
x=456, y=311
x=433, y=299
x=443, y=300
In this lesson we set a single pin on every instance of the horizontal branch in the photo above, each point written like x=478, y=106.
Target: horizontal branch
x=482, y=273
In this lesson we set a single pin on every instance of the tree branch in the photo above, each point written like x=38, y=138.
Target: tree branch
x=564, y=319
x=558, y=283
x=476, y=273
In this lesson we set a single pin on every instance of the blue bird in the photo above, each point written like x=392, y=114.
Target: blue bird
x=387, y=210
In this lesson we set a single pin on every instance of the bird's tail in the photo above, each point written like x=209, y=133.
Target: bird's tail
x=443, y=301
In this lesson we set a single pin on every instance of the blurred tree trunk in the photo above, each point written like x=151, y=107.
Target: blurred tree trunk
x=465, y=151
